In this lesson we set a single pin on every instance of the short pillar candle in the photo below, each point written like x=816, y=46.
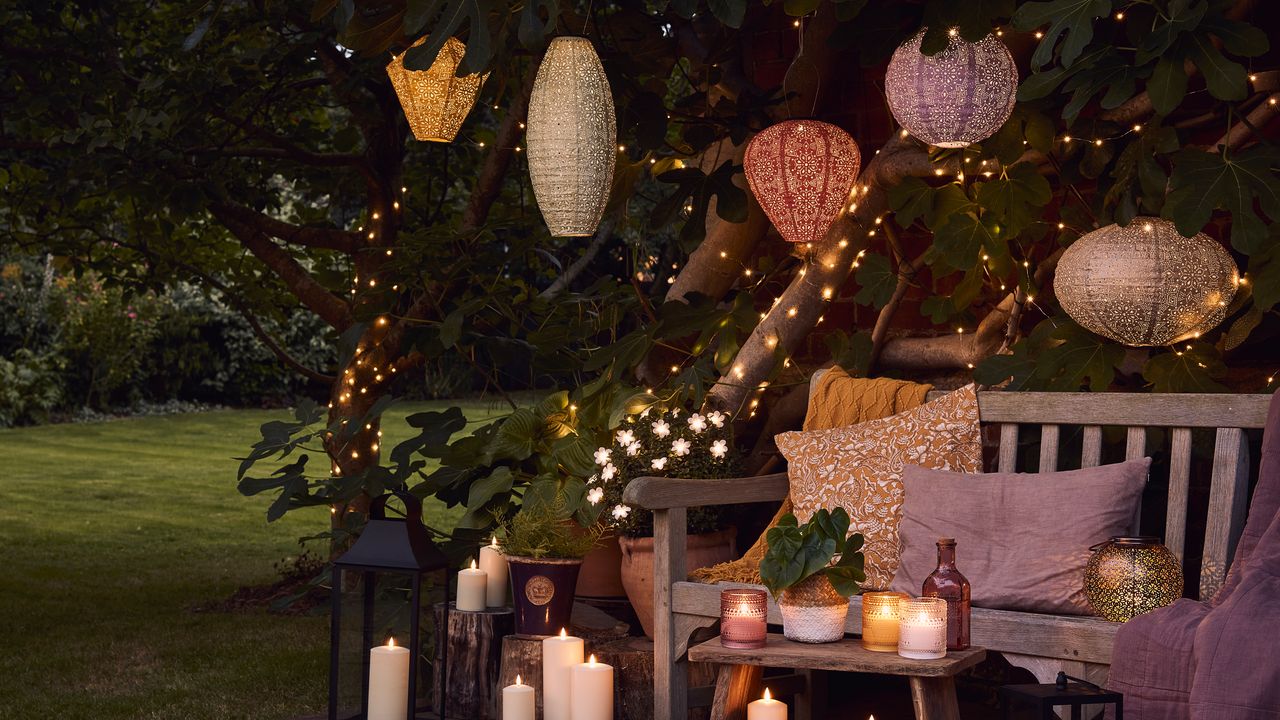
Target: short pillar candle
x=388, y=682
x=591, y=691
x=472, y=584
x=743, y=616
x=922, y=628
x=518, y=701
x=880, y=620
x=494, y=563
x=767, y=708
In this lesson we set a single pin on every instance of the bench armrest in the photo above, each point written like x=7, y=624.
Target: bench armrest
x=657, y=493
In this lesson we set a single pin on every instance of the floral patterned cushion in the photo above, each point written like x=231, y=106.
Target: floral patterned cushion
x=859, y=468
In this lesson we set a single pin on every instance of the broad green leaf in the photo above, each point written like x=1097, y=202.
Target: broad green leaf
x=1225, y=79
x=1072, y=20
x=1205, y=181
x=483, y=490
x=961, y=239
x=876, y=280
x=1264, y=273
x=1079, y=356
x=517, y=436
x=910, y=200
x=1239, y=38
x=1016, y=199
x=729, y=12
x=851, y=352
x=1189, y=368
x=1244, y=325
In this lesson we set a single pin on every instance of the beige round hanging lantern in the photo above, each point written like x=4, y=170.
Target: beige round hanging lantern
x=436, y=100
x=572, y=137
x=1145, y=284
x=801, y=172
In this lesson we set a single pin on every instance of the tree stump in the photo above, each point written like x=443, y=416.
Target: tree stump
x=466, y=682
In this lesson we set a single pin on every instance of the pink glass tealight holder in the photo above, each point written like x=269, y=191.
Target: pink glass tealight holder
x=743, y=617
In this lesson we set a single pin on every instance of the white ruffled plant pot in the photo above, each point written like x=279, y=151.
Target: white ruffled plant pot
x=813, y=623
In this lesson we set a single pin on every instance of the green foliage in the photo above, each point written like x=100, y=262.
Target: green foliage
x=30, y=387
x=797, y=552
x=547, y=530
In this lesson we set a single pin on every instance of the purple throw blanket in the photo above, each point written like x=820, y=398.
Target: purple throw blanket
x=1215, y=660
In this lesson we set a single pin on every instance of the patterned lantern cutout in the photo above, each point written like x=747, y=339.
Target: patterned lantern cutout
x=801, y=173
x=959, y=96
x=436, y=100
x=572, y=137
x=1146, y=284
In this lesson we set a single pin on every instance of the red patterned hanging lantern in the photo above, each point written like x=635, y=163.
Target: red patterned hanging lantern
x=801, y=172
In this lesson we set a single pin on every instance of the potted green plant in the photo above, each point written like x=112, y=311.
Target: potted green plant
x=812, y=570
x=663, y=443
x=544, y=547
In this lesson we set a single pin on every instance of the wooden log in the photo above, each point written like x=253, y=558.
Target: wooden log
x=468, y=656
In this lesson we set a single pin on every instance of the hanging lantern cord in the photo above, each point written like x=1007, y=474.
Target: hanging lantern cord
x=587, y=18
x=817, y=76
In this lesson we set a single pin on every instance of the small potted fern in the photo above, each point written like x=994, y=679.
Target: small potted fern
x=544, y=548
x=812, y=570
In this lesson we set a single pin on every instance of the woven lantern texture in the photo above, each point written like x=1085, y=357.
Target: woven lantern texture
x=436, y=100
x=961, y=95
x=572, y=137
x=801, y=173
x=1129, y=576
x=1145, y=284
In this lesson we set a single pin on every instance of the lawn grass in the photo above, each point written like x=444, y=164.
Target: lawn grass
x=112, y=532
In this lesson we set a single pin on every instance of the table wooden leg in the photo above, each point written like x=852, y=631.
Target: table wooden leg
x=735, y=687
x=934, y=698
x=812, y=703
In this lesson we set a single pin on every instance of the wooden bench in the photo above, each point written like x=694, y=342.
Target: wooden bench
x=1043, y=644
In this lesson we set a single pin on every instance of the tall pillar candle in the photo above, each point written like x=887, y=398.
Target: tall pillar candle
x=518, y=701
x=388, y=682
x=591, y=691
x=560, y=654
x=922, y=628
x=472, y=587
x=493, y=562
x=767, y=708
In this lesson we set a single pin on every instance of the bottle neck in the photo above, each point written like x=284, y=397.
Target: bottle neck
x=946, y=556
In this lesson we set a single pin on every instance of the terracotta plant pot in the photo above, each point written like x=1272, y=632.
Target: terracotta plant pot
x=813, y=612
x=543, y=592
x=637, y=566
x=601, y=574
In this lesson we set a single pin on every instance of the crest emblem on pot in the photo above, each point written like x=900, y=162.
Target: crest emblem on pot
x=539, y=590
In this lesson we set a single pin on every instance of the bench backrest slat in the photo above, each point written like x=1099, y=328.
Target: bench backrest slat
x=1048, y=448
x=1227, y=496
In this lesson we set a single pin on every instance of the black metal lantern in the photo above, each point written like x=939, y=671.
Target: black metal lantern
x=377, y=599
x=1075, y=695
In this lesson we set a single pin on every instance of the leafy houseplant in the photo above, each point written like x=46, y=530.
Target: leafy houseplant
x=544, y=548
x=812, y=570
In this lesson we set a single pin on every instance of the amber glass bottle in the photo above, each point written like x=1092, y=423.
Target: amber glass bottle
x=947, y=583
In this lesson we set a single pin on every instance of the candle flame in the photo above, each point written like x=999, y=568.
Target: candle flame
x=563, y=634
x=767, y=695
x=518, y=682
x=494, y=542
x=592, y=659
x=473, y=563
x=391, y=642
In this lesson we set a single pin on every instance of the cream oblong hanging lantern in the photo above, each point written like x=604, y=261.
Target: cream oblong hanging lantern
x=959, y=96
x=801, y=173
x=436, y=100
x=572, y=137
x=1145, y=284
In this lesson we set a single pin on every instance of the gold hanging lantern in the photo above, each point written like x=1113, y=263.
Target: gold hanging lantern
x=1145, y=284
x=572, y=137
x=801, y=172
x=436, y=100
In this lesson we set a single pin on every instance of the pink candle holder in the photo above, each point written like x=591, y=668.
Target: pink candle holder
x=743, y=617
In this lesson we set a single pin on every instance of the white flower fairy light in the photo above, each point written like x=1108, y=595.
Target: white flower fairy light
x=602, y=456
x=680, y=447
x=697, y=423
x=608, y=472
x=659, y=463
x=719, y=449
x=633, y=449
x=595, y=495
x=626, y=437
x=620, y=512
x=717, y=418
x=661, y=428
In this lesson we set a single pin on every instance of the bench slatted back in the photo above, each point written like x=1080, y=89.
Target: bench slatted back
x=1228, y=415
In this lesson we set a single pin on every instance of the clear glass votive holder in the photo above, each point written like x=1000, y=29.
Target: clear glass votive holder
x=743, y=618
x=922, y=628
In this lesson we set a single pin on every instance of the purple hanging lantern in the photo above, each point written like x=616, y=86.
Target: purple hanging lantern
x=959, y=96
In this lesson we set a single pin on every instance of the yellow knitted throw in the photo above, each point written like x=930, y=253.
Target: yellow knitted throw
x=838, y=400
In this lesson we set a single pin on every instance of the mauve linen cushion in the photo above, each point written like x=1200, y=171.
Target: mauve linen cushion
x=1022, y=539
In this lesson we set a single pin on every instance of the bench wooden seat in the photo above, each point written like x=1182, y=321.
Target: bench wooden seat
x=1043, y=644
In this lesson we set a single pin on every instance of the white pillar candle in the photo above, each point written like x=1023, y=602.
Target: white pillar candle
x=591, y=691
x=517, y=701
x=559, y=655
x=922, y=628
x=493, y=562
x=389, y=682
x=767, y=708
x=472, y=584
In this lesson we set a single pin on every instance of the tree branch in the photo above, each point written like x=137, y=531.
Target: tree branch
x=567, y=277
x=1252, y=123
x=324, y=238
x=498, y=159
x=301, y=156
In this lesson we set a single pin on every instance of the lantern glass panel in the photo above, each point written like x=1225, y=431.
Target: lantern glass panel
x=377, y=606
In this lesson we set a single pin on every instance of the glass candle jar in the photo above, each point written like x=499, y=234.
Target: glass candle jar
x=743, y=616
x=922, y=628
x=880, y=620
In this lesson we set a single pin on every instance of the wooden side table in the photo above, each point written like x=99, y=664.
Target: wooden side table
x=933, y=688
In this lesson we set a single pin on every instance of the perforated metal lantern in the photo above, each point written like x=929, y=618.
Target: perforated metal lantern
x=436, y=100
x=801, y=172
x=379, y=589
x=1145, y=284
x=572, y=137
x=1129, y=576
x=957, y=97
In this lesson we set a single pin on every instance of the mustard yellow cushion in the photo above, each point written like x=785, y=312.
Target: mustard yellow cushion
x=859, y=467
